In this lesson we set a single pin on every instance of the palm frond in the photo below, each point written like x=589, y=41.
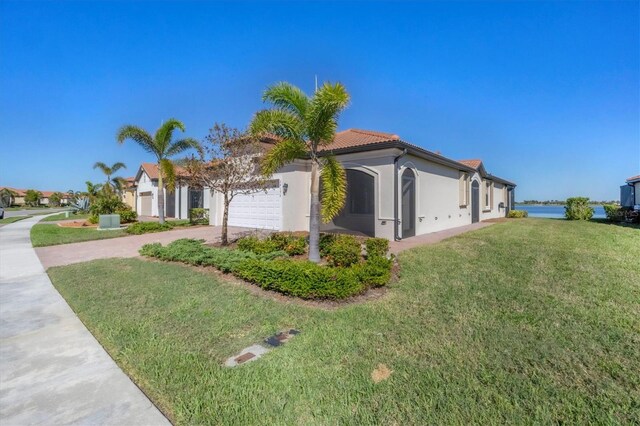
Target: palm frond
x=140, y=136
x=103, y=167
x=182, y=145
x=334, y=188
x=322, y=115
x=164, y=134
x=288, y=97
x=119, y=183
x=282, y=153
x=168, y=173
x=281, y=123
x=117, y=166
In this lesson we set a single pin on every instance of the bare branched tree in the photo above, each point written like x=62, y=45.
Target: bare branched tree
x=229, y=163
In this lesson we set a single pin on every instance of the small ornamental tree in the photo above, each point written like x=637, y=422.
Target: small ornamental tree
x=7, y=197
x=32, y=197
x=227, y=163
x=578, y=208
x=55, y=199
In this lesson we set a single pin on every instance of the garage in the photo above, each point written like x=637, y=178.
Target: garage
x=261, y=210
x=145, y=203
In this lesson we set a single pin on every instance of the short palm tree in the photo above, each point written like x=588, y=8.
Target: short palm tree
x=112, y=183
x=162, y=146
x=303, y=126
x=93, y=189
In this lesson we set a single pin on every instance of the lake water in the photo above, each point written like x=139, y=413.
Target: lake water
x=556, y=212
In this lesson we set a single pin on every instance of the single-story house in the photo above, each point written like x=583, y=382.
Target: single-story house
x=389, y=181
x=177, y=204
x=18, y=199
x=630, y=193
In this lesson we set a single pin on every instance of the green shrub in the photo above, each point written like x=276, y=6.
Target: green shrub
x=107, y=205
x=326, y=240
x=93, y=219
x=344, y=251
x=147, y=227
x=377, y=247
x=614, y=212
x=578, y=208
x=517, y=214
x=278, y=241
x=375, y=272
x=295, y=278
x=301, y=279
x=289, y=243
x=199, y=216
x=127, y=215
x=193, y=252
x=256, y=245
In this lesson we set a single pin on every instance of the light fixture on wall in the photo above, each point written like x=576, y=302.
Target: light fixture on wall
x=285, y=187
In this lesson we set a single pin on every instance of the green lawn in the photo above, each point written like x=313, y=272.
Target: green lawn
x=7, y=220
x=63, y=216
x=530, y=321
x=51, y=234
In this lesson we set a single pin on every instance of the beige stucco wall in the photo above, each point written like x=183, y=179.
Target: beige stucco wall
x=129, y=198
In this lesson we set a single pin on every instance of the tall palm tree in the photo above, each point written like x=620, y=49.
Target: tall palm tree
x=162, y=146
x=303, y=125
x=111, y=183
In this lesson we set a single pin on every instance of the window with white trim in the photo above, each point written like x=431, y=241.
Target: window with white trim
x=463, y=189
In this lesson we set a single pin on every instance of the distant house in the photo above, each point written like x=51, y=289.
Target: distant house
x=177, y=204
x=18, y=198
x=630, y=193
x=129, y=192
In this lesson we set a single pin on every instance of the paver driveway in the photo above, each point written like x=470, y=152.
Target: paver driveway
x=52, y=370
x=66, y=254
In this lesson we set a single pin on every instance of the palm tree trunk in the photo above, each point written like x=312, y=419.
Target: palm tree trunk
x=314, y=214
x=225, y=219
x=160, y=197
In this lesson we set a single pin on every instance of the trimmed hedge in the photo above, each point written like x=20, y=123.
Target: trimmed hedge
x=518, y=214
x=301, y=278
x=279, y=241
x=193, y=252
x=271, y=271
x=343, y=250
x=140, y=228
x=377, y=247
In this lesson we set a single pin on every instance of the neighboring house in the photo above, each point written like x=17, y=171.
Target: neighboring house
x=389, y=182
x=18, y=200
x=630, y=193
x=177, y=204
x=129, y=192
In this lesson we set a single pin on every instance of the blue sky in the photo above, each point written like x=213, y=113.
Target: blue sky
x=547, y=94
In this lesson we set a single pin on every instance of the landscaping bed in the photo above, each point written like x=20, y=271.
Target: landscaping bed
x=266, y=262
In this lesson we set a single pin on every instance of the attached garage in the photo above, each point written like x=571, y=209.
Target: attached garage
x=261, y=210
x=145, y=203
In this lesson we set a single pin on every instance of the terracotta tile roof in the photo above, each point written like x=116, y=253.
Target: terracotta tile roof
x=151, y=169
x=474, y=164
x=357, y=137
x=23, y=192
x=633, y=178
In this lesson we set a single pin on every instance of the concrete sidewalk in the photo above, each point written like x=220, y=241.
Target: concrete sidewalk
x=66, y=254
x=52, y=370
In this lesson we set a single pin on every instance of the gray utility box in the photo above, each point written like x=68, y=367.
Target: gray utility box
x=109, y=221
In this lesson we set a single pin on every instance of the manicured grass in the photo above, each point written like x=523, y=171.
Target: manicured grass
x=27, y=208
x=530, y=321
x=52, y=234
x=7, y=220
x=63, y=216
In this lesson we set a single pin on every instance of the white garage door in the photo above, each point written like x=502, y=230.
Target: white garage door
x=260, y=210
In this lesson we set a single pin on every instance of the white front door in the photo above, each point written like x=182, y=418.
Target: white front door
x=260, y=210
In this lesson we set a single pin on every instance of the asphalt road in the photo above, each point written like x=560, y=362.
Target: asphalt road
x=14, y=213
